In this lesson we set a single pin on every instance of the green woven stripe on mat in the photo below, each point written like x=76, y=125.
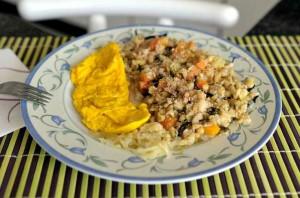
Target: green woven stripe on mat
x=273, y=171
x=16, y=167
x=265, y=183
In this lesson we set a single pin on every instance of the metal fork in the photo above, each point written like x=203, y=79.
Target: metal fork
x=25, y=92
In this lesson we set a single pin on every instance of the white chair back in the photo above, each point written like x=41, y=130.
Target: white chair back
x=211, y=13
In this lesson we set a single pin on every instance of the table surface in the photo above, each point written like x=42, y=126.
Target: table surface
x=27, y=170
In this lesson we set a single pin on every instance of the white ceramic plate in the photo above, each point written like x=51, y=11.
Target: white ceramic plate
x=57, y=127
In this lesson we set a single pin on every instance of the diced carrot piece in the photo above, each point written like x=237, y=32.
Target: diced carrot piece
x=194, y=71
x=143, y=87
x=144, y=83
x=201, y=64
x=201, y=83
x=144, y=77
x=169, y=122
x=154, y=43
x=212, y=130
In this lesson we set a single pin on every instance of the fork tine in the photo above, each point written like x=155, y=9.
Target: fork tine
x=23, y=90
x=39, y=94
x=33, y=96
x=28, y=97
x=38, y=90
x=33, y=99
x=29, y=87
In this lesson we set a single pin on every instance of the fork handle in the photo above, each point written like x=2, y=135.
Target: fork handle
x=4, y=89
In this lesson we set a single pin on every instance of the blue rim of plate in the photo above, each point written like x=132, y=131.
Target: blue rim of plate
x=156, y=180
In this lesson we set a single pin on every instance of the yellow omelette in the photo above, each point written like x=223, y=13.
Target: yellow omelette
x=101, y=94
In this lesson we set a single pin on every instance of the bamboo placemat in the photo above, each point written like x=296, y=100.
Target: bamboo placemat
x=27, y=170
